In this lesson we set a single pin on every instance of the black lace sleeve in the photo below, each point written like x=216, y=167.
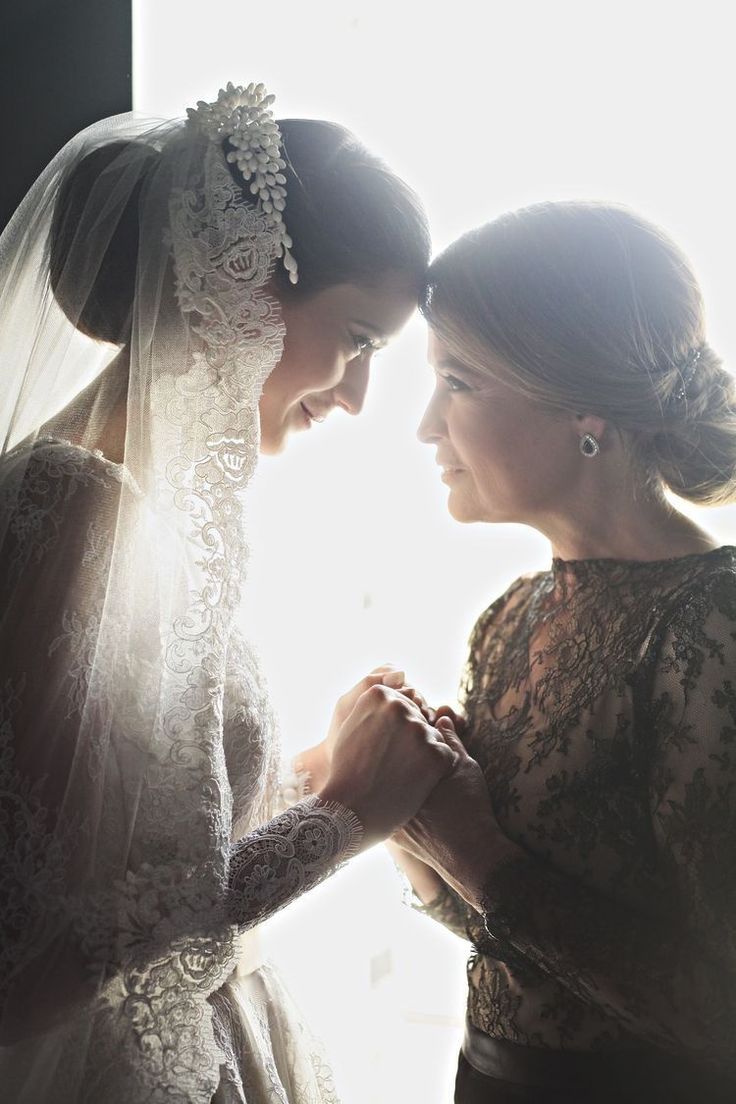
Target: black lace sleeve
x=449, y=909
x=671, y=979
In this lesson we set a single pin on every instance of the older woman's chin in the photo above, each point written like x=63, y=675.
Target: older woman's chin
x=463, y=511
x=466, y=509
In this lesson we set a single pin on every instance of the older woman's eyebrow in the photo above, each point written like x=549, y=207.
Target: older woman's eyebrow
x=450, y=364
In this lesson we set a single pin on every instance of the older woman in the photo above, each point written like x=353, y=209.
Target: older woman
x=590, y=852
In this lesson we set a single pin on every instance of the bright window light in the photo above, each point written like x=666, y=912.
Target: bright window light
x=482, y=108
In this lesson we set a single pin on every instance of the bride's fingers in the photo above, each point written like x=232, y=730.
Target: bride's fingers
x=396, y=680
x=348, y=700
x=414, y=696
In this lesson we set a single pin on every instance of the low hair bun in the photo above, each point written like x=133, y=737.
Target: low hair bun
x=695, y=454
x=97, y=216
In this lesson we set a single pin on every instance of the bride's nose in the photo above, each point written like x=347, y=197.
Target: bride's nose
x=351, y=391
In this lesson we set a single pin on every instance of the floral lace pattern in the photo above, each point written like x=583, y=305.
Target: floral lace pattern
x=255, y=1068
x=601, y=706
x=158, y=934
x=290, y=855
x=136, y=740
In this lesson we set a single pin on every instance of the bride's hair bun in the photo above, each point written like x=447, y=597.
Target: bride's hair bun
x=94, y=238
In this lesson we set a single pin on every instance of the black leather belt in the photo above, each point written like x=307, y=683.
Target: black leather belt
x=524, y=1065
x=630, y=1075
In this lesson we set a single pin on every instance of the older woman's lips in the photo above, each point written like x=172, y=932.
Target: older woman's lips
x=449, y=473
x=309, y=416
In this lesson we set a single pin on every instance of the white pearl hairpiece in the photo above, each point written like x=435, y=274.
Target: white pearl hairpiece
x=243, y=116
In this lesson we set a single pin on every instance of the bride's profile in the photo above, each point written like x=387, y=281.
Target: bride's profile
x=175, y=297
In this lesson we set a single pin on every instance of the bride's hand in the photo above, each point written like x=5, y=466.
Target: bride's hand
x=397, y=680
x=386, y=761
x=316, y=760
x=455, y=831
x=386, y=675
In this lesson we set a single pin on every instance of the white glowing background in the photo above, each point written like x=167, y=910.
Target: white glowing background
x=482, y=107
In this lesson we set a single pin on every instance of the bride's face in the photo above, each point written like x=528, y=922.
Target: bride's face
x=330, y=339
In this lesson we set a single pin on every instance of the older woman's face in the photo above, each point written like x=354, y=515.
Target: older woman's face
x=502, y=458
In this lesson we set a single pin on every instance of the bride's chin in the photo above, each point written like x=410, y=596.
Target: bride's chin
x=272, y=445
x=274, y=436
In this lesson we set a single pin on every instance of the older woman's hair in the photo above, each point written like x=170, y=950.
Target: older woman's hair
x=588, y=308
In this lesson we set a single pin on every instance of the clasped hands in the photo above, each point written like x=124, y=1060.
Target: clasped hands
x=402, y=767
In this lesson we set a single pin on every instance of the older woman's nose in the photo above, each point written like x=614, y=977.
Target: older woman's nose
x=432, y=426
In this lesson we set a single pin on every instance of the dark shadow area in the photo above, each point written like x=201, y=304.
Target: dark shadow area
x=63, y=64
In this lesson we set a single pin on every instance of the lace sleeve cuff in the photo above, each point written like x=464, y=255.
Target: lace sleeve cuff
x=505, y=902
x=448, y=909
x=498, y=899
x=288, y=856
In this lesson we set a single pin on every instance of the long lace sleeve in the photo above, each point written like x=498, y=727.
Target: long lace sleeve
x=667, y=975
x=83, y=903
x=288, y=856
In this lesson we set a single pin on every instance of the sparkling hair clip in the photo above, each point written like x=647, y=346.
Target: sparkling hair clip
x=243, y=116
x=687, y=372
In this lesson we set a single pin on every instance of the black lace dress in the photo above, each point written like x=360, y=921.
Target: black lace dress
x=601, y=699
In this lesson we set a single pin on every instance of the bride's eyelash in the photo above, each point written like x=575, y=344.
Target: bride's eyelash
x=363, y=342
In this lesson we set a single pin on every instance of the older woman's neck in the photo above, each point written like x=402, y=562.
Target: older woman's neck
x=622, y=519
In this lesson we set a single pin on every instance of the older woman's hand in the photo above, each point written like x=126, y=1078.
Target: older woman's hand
x=455, y=831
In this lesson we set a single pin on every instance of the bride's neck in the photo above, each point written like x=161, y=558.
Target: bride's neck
x=96, y=417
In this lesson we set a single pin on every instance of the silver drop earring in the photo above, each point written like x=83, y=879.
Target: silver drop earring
x=589, y=445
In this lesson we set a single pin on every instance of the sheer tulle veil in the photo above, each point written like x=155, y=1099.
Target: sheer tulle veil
x=114, y=929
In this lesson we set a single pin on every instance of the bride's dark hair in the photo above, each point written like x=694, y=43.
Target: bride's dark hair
x=351, y=219
x=96, y=293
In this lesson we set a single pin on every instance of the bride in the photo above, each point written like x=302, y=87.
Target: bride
x=173, y=298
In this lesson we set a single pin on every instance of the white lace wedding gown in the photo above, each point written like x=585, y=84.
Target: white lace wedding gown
x=143, y=983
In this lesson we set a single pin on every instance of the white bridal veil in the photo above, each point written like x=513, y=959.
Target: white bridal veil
x=133, y=309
